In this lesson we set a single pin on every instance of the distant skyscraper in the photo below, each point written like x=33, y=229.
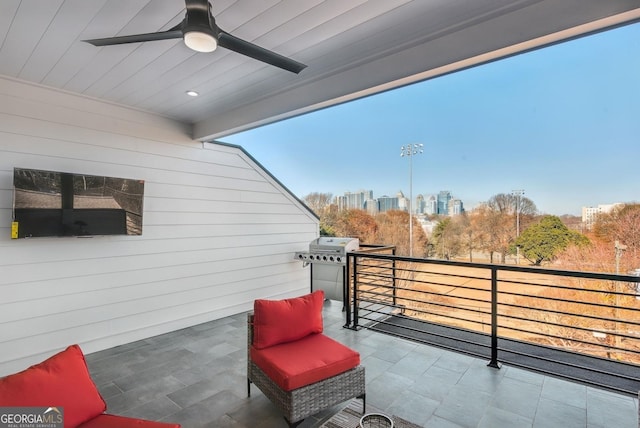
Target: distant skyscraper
x=371, y=206
x=420, y=205
x=443, y=202
x=432, y=205
x=455, y=207
x=386, y=203
x=355, y=200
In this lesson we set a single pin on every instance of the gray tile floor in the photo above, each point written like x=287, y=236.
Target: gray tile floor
x=197, y=377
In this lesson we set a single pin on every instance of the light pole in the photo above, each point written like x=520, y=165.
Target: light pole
x=410, y=150
x=518, y=194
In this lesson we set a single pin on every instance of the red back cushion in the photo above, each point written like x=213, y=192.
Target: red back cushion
x=60, y=381
x=281, y=321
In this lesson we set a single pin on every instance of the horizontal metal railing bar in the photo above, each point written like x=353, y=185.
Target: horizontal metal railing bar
x=510, y=268
x=556, y=299
x=444, y=284
x=551, y=311
x=462, y=287
x=537, y=333
x=625, y=279
x=430, y=293
x=372, y=247
x=409, y=299
x=564, y=287
x=458, y=318
x=573, y=340
x=444, y=274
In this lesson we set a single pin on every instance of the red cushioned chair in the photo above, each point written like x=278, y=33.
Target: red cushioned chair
x=63, y=380
x=298, y=368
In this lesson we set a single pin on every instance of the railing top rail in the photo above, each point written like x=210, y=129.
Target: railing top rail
x=368, y=248
x=490, y=266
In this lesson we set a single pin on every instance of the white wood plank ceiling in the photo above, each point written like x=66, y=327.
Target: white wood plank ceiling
x=352, y=48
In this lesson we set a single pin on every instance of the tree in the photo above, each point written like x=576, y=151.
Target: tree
x=356, y=224
x=471, y=237
x=447, y=238
x=544, y=240
x=507, y=203
x=623, y=225
x=627, y=227
x=498, y=221
x=496, y=231
x=326, y=230
x=318, y=202
x=393, y=229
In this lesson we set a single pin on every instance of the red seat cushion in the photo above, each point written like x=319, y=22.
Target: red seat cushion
x=112, y=421
x=296, y=364
x=281, y=321
x=60, y=381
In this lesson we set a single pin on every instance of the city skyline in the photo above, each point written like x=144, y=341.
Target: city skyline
x=444, y=202
x=559, y=122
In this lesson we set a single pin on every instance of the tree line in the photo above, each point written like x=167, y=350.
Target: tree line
x=505, y=225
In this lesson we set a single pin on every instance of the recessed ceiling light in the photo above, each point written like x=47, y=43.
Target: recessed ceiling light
x=192, y=93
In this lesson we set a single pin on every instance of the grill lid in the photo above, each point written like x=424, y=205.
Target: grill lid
x=334, y=245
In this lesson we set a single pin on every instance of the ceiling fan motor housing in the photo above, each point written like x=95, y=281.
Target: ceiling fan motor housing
x=199, y=28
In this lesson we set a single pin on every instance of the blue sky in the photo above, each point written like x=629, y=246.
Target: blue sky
x=562, y=123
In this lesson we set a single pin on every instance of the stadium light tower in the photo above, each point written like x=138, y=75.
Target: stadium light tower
x=410, y=150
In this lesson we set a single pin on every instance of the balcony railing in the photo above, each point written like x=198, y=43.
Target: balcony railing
x=577, y=325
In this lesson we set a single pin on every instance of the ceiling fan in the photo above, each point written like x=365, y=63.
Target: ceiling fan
x=200, y=33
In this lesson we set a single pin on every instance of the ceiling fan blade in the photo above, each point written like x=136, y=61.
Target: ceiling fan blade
x=173, y=33
x=235, y=44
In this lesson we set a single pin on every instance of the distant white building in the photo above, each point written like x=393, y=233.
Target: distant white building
x=353, y=200
x=427, y=225
x=371, y=206
x=403, y=203
x=431, y=205
x=590, y=214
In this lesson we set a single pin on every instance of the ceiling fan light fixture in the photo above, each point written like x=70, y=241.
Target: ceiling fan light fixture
x=200, y=42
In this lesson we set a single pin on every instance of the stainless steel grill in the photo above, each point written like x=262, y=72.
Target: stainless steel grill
x=327, y=256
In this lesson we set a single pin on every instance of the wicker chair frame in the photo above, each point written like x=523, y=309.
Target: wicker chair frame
x=308, y=400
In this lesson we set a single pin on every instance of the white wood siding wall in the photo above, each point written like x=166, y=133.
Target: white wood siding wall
x=218, y=231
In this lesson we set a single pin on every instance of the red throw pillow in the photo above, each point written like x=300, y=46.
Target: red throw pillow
x=61, y=381
x=281, y=321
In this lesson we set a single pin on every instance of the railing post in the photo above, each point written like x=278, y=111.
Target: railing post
x=355, y=293
x=346, y=294
x=395, y=288
x=494, y=319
